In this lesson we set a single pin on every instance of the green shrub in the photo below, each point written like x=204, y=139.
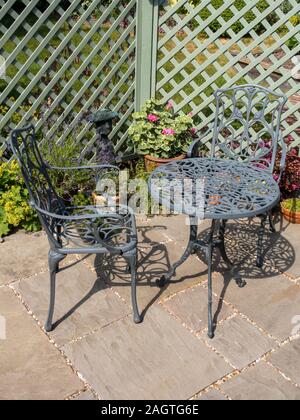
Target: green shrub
x=14, y=208
x=67, y=183
x=292, y=204
x=293, y=42
x=249, y=16
x=73, y=186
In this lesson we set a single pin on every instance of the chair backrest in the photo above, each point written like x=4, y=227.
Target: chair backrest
x=34, y=170
x=247, y=124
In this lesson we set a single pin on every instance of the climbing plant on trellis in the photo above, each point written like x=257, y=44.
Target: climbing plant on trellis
x=65, y=58
x=208, y=44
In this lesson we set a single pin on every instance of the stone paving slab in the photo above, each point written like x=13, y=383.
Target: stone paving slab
x=290, y=233
x=191, y=307
x=287, y=359
x=154, y=261
x=83, y=302
x=241, y=246
x=86, y=395
x=261, y=382
x=240, y=342
x=31, y=367
x=23, y=255
x=280, y=248
x=158, y=359
x=212, y=395
x=271, y=303
x=176, y=227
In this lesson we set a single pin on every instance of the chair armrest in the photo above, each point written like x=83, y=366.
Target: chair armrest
x=78, y=216
x=193, y=149
x=96, y=215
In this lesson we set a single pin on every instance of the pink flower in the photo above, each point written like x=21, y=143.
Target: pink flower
x=294, y=187
x=193, y=130
x=269, y=144
x=235, y=145
x=190, y=114
x=289, y=139
x=168, y=132
x=293, y=152
x=276, y=177
x=170, y=105
x=152, y=118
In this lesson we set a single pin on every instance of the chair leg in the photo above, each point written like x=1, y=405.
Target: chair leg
x=260, y=258
x=54, y=259
x=132, y=261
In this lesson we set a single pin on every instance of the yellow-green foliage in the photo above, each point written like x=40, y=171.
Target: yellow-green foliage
x=14, y=208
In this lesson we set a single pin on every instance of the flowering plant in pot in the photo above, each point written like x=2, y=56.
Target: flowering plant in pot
x=289, y=183
x=159, y=134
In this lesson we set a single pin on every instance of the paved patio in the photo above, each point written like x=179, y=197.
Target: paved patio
x=96, y=352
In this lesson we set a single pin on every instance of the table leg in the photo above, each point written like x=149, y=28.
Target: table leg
x=271, y=222
x=191, y=246
x=260, y=257
x=221, y=245
x=209, y=254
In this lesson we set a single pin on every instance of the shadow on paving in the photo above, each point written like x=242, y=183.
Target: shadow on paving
x=241, y=247
x=154, y=260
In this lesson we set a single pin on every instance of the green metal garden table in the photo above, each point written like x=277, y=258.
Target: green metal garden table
x=217, y=190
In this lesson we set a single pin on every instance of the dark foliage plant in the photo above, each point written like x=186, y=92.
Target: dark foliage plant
x=290, y=180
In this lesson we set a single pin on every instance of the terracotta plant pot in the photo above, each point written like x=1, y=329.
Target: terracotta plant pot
x=100, y=200
x=152, y=162
x=290, y=215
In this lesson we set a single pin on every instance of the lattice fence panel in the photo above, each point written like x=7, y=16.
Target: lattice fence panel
x=208, y=44
x=65, y=58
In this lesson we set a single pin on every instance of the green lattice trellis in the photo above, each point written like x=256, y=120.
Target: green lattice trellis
x=210, y=44
x=67, y=57
x=64, y=58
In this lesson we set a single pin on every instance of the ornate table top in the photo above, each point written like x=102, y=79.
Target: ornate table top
x=214, y=188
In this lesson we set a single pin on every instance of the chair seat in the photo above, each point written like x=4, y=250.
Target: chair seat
x=113, y=227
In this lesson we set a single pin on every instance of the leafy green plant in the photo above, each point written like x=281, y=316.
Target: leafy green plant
x=158, y=132
x=292, y=204
x=71, y=185
x=292, y=42
x=67, y=183
x=228, y=14
x=14, y=208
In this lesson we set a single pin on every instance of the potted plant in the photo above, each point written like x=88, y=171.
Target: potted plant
x=289, y=180
x=289, y=183
x=290, y=209
x=159, y=135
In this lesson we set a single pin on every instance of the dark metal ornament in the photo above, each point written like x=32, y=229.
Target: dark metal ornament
x=103, y=121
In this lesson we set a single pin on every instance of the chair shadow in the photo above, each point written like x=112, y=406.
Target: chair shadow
x=154, y=261
x=112, y=271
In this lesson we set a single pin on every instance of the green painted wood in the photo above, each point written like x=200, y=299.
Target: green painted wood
x=194, y=60
x=147, y=24
x=90, y=64
x=131, y=51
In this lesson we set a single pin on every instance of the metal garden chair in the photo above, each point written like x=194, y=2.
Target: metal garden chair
x=247, y=128
x=74, y=230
